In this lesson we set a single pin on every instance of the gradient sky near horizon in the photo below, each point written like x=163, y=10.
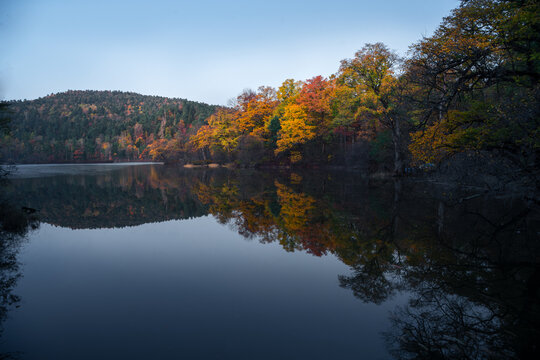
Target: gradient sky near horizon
x=204, y=50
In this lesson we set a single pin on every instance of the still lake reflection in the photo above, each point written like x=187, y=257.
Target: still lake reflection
x=150, y=261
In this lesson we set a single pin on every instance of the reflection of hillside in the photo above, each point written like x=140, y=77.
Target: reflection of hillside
x=124, y=197
x=470, y=263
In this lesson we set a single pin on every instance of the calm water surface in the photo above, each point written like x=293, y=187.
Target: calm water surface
x=150, y=261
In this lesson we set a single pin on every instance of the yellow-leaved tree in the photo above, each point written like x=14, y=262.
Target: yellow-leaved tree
x=295, y=129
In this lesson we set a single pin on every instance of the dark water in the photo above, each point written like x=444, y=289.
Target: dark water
x=150, y=261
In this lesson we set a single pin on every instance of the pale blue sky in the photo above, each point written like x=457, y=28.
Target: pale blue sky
x=205, y=50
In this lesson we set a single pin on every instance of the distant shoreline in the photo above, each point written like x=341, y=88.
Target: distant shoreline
x=89, y=163
x=40, y=170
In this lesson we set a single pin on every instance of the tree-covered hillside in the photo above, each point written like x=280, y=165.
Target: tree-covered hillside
x=97, y=126
x=466, y=98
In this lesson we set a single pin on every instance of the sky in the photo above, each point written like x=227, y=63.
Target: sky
x=201, y=50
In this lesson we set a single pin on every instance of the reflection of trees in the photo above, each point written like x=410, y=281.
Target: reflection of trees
x=369, y=283
x=125, y=197
x=444, y=326
x=15, y=222
x=474, y=278
x=469, y=262
x=273, y=213
x=474, y=307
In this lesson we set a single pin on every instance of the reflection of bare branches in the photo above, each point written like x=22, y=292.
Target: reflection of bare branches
x=472, y=272
x=369, y=283
x=444, y=326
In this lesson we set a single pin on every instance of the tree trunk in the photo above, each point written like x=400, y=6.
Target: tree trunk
x=398, y=157
x=395, y=207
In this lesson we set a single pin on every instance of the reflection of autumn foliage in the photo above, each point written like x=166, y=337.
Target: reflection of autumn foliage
x=255, y=219
x=299, y=219
x=294, y=219
x=444, y=251
x=295, y=208
x=392, y=237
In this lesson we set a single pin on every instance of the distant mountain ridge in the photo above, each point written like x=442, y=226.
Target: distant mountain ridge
x=88, y=125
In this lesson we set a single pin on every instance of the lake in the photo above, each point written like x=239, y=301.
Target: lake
x=153, y=261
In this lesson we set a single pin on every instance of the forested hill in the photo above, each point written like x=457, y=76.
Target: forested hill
x=97, y=126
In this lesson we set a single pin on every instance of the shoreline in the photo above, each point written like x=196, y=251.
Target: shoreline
x=86, y=164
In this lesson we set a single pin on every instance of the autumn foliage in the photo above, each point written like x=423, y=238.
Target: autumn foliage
x=471, y=87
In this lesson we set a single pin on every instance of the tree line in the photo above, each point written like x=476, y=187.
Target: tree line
x=84, y=126
x=471, y=88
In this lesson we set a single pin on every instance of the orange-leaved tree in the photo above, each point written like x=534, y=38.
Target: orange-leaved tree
x=315, y=97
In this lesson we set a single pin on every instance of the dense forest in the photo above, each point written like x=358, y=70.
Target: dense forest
x=85, y=126
x=469, y=91
x=470, y=88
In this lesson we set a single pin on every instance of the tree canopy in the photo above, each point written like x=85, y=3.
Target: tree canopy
x=470, y=88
